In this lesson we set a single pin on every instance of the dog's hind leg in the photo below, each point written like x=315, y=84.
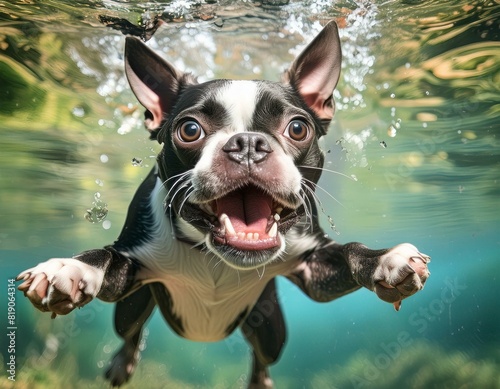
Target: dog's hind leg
x=264, y=328
x=130, y=315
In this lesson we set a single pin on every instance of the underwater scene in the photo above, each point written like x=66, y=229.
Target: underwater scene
x=412, y=155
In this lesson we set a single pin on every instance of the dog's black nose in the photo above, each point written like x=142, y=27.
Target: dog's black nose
x=247, y=147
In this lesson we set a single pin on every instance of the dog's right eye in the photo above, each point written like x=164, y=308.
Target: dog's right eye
x=190, y=131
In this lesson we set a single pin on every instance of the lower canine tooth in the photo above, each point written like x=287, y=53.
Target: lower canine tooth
x=273, y=231
x=226, y=222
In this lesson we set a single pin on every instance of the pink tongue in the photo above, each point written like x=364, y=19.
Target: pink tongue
x=248, y=209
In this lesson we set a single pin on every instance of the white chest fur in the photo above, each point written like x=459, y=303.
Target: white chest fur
x=207, y=295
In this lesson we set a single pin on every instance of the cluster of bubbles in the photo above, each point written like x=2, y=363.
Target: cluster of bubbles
x=99, y=210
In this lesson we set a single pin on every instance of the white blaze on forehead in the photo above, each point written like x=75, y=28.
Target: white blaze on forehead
x=239, y=98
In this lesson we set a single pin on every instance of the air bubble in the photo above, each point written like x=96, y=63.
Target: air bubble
x=394, y=127
x=329, y=218
x=257, y=70
x=332, y=225
x=79, y=112
x=107, y=349
x=136, y=161
x=99, y=210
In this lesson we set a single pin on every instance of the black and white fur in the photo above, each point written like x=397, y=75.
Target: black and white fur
x=228, y=207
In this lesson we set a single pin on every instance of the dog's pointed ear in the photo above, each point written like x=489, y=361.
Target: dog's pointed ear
x=155, y=82
x=316, y=71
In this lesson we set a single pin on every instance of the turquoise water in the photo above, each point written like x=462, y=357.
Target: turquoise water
x=416, y=138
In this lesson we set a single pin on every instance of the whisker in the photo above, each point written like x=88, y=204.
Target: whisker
x=179, y=184
x=307, y=208
x=180, y=175
x=188, y=194
x=199, y=244
x=167, y=202
x=183, y=183
x=282, y=256
x=314, y=195
x=324, y=190
x=211, y=257
x=263, y=271
x=320, y=204
x=171, y=218
x=329, y=171
x=181, y=178
x=217, y=264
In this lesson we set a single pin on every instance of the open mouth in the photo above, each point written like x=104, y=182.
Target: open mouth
x=247, y=220
x=245, y=225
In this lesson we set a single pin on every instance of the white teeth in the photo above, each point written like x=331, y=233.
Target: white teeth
x=228, y=229
x=248, y=235
x=273, y=231
x=226, y=222
x=277, y=217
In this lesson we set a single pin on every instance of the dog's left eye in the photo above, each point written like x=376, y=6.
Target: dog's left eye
x=297, y=130
x=190, y=131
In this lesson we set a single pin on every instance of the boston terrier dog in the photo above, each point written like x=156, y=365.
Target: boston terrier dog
x=229, y=206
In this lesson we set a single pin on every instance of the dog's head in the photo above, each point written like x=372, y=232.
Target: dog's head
x=240, y=158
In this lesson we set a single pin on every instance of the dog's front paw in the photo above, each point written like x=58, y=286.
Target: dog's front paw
x=60, y=285
x=402, y=271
